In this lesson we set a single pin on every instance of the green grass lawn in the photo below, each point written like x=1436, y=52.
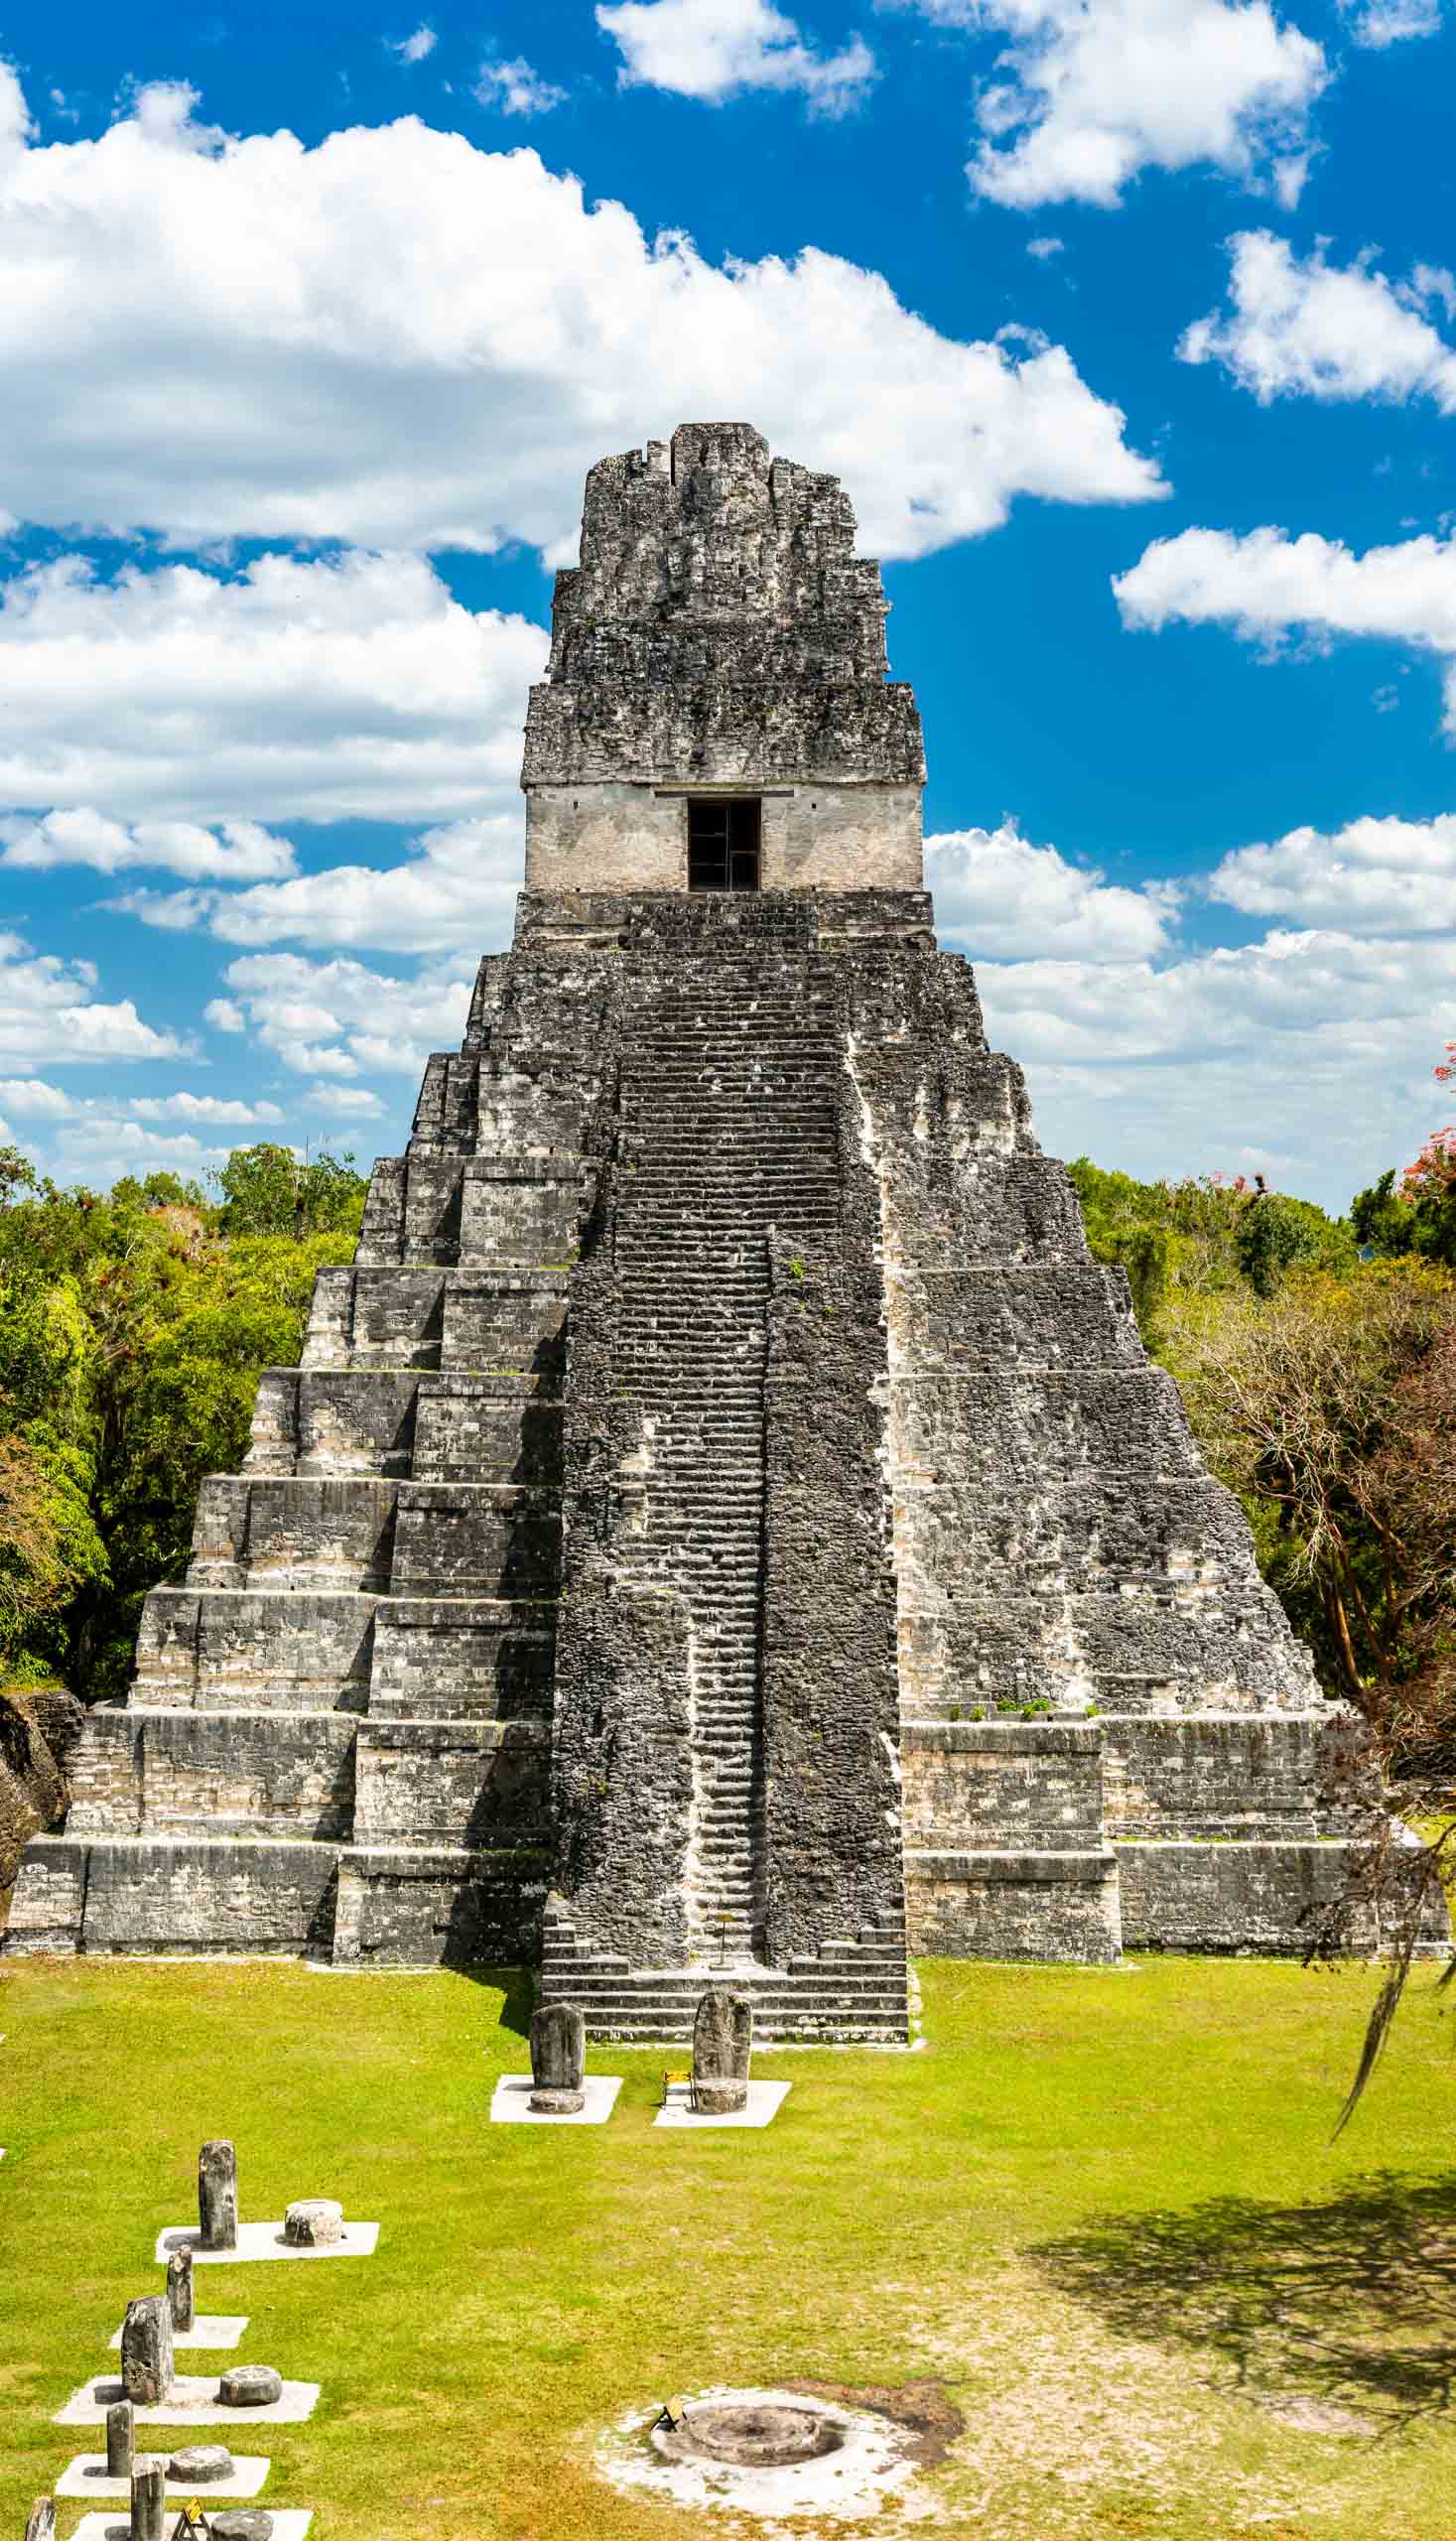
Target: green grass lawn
x=1102, y=2208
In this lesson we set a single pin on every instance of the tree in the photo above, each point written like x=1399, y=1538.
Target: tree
x=1326, y=1408
x=1419, y=1215
x=271, y=1190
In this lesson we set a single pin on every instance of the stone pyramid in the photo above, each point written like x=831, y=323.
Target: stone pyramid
x=723, y=1517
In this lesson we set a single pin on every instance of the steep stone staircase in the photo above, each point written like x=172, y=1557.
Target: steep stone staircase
x=849, y=1992
x=730, y=1128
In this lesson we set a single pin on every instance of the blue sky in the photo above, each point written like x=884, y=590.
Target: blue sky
x=1131, y=326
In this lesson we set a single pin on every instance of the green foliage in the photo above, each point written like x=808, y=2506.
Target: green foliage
x=267, y=1190
x=1202, y=1235
x=133, y=1328
x=1392, y=1222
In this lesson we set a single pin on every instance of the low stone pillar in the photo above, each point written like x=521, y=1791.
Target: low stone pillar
x=722, y=2044
x=558, y=2060
x=40, y=2523
x=120, y=2422
x=217, y=2194
x=314, y=2222
x=146, y=2351
x=181, y=2292
x=147, y=2499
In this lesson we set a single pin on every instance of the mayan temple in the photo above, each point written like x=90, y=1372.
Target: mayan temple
x=724, y=1517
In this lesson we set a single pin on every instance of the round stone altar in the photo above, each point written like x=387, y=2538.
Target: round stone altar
x=770, y=2453
x=752, y=2433
x=314, y=2222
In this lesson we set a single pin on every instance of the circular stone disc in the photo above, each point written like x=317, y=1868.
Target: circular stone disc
x=240, y=2523
x=250, y=2386
x=200, y=2462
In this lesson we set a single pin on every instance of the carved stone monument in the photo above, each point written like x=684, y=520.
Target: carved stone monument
x=147, y=2499
x=217, y=2194
x=120, y=2439
x=181, y=2290
x=724, y=1515
x=558, y=2060
x=40, y=2523
x=146, y=2351
x=722, y=2046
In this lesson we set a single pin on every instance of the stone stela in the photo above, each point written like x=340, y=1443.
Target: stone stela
x=724, y=1517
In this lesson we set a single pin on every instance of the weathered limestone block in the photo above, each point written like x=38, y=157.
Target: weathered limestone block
x=239, y=2524
x=469, y=1783
x=120, y=2439
x=307, y=1531
x=376, y=1318
x=1027, y=1786
x=508, y=1322
x=217, y=2194
x=1212, y=1775
x=1059, y=1904
x=558, y=2060
x=148, y=2497
x=181, y=2291
x=1007, y=1315
x=722, y=2046
x=314, y=2222
x=151, y=1892
x=493, y=1539
x=214, y=1773
x=235, y=1649
x=471, y=1659
x=250, y=2386
x=146, y=2351
x=486, y=1430
x=522, y=1208
x=40, y=2523
x=333, y=1420
x=408, y=1906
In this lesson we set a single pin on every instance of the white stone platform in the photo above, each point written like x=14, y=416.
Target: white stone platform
x=289, y=2523
x=512, y=2091
x=209, y=2329
x=765, y=2099
x=85, y=2476
x=193, y=2401
x=263, y=2241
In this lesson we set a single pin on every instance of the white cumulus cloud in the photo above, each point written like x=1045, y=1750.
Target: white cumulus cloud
x=514, y=88
x=717, y=48
x=999, y=897
x=396, y=340
x=1300, y=326
x=1385, y=22
x=237, y=851
x=341, y=1019
x=349, y=687
x=1266, y=586
x=453, y=891
x=49, y=1010
x=1383, y=876
x=1087, y=93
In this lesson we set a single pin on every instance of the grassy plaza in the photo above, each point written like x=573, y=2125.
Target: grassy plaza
x=1101, y=2208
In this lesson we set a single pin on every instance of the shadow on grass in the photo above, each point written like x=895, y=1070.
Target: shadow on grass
x=1349, y=2305
x=517, y=1987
